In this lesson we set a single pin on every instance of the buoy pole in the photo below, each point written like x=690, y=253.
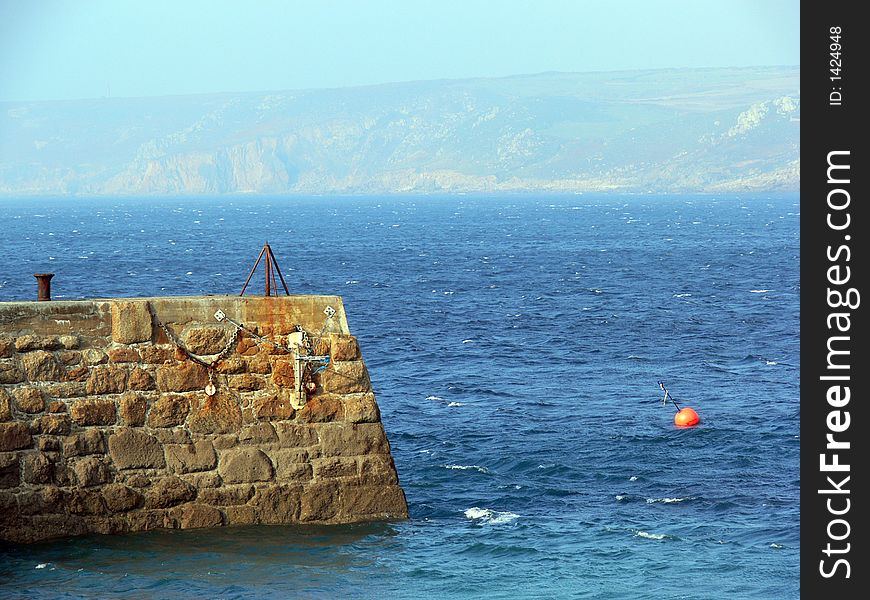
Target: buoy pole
x=685, y=417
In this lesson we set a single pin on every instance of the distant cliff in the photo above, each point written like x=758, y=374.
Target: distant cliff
x=680, y=130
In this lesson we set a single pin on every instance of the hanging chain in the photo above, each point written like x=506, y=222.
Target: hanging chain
x=209, y=365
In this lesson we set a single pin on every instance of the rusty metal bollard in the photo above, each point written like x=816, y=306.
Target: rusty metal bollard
x=44, y=290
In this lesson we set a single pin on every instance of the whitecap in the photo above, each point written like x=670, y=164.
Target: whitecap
x=477, y=468
x=620, y=497
x=758, y=291
x=650, y=536
x=667, y=500
x=633, y=478
x=777, y=546
x=467, y=341
x=492, y=517
x=453, y=404
x=771, y=362
x=681, y=295
x=436, y=398
x=41, y=565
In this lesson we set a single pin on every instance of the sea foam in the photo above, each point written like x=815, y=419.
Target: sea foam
x=491, y=517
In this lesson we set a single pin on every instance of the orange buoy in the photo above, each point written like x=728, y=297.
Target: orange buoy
x=686, y=418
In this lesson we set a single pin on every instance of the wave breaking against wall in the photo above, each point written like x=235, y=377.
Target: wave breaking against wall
x=126, y=415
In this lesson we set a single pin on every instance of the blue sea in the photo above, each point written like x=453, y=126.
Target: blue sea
x=515, y=344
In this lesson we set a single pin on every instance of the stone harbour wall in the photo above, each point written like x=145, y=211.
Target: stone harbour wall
x=106, y=427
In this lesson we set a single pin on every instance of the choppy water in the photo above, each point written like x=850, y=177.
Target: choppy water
x=514, y=344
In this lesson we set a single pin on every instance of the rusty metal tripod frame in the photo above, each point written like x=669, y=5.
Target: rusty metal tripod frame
x=271, y=269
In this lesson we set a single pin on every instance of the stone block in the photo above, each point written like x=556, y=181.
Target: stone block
x=183, y=377
x=132, y=449
x=203, y=479
x=343, y=347
x=120, y=498
x=321, y=408
x=8, y=502
x=53, y=424
x=346, y=377
x=28, y=343
x=320, y=502
x=107, y=525
x=170, y=410
x=94, y=356
x=68, y=389
x=197, y=516
x=5, y=406
x=141, y=380
x=273, y=406
x=7, y=347
x=48, y=499
x=361, y=408
x=10, y=372
x=378, y=469
x=123, y=355
x=241, y=515
x=136, y=480
x=87, y=502
x=258, y=433
x=68, y=357
x=245, y=465
x=206, y=339
x=247, y=347
x=156, y=355
x=78, y=374
x=353, y=439
x=131, y=322
x=173, y=435
x=227, y=495
x=225, y=441
x=40, y=365
x=93, y=411
x=50, y=444
x=216, y=414
x=246, y=382
x=69, y=342
x=56, y=407
x=169, y=491
x=292, y=465
x=277, y=504
x=146, y=520
x=91, y=471
x=106, y=380
x=10, y=474
x=132, y=409
x=188, y=458
x=335, y=466
x=29, y=399
x=259, y=364
x=231, y=366
x=83, y=443
x=14, y=436
x=366, y=501
x=292, y=435
x=282, y=372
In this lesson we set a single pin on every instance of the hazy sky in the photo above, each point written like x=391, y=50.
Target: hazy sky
x=57, y=49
